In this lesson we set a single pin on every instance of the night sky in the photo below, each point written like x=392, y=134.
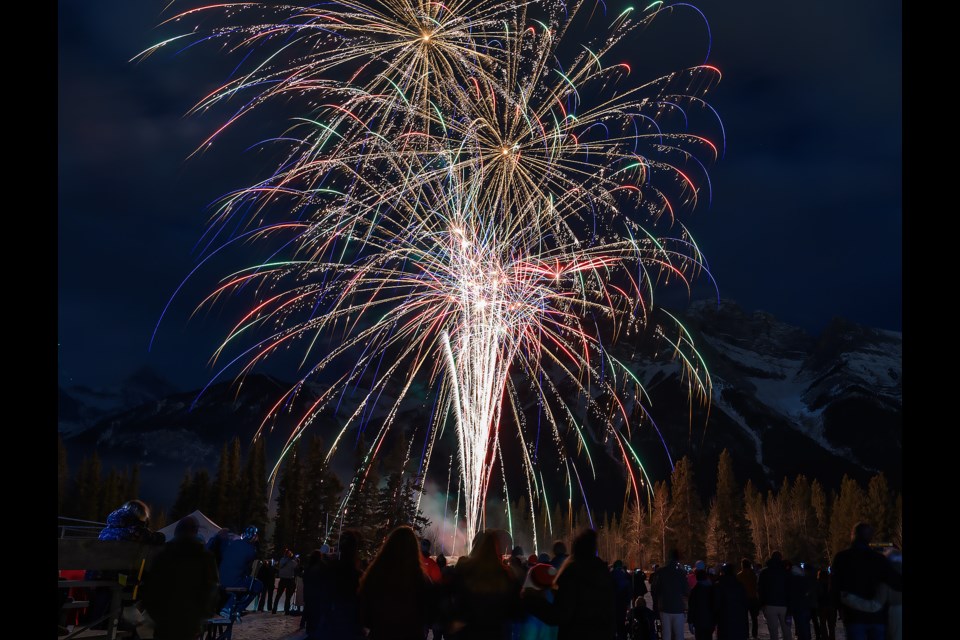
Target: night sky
x=805, y=221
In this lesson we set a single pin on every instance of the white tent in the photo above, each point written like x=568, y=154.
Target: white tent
x=208, y=527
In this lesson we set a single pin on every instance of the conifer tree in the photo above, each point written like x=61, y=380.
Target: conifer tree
x=322, y=491
x=63, y=474
x=200, y=491
x=635, y=534
x=897, y=536
x=662, y=520
x=754, y=509
x=132, y=489
x=364, y=493
x=821, y=512
x=847, y=511
x=252, y=509
x=731, y=527
x=88, y=489
x=688, y=520
x=220, y=498
x=235, y=499
x=110, y=494
x=802, y=520
x=877, y=508
x=289, y=506
x=185, y=501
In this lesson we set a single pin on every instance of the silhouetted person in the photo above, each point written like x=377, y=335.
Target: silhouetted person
x=559, y=554
x=217, y=542
x=446, y=573
x=623, y=589
x=638, y=583
x=268, y=576
x=517, y=564
x=180, y=590
x=860, y=570
x=800, y=598
x=700, y=607
x=748, y=578
x=827, y=611
x=394, y=590
x=430, y=566
x=772, y=590
x=642, y=625
x=236, y=565
x=540, y=577
x=330, y=589
x=130, y=522
x=895, y=596
x=730, y=605
x=314, y=561
x=583, y=605
x=484, y=594
x=287, y=572
x=813, y=589
x=669, y=588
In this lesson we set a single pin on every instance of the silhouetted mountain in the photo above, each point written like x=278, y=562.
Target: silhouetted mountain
x=784, y=402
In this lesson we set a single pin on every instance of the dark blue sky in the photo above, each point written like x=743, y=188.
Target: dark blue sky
x=807, y=205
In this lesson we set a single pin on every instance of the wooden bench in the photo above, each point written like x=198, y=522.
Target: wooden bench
x=128, y=559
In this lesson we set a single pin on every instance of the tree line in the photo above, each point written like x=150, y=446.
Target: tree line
x=309, y=496
x=88, y=494
x=801, y=519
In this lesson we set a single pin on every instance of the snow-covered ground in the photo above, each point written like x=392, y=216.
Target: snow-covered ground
x=266, y=626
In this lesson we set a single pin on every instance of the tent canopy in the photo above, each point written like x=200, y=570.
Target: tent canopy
x=208, y=528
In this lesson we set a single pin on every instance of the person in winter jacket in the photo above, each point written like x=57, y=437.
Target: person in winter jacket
x=330, y=592
x=236, y=566
x=860, y=571
x=748, y=578
x=700, y=607
x=827, y=612
x=583, y=605
x=772, y=591
x=541, y=576
x=730, y=605
x=669, y=589
x=131, y=523
x=268, y=576
x=430, y=566
x=799, y=595
x=484, y=596
x=622, y=592
x=180, y=590
x=559, y=554
x=395, y=593
x=641, y=622
x=287, y=572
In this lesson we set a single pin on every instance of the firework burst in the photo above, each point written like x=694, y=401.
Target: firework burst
x=462, y=213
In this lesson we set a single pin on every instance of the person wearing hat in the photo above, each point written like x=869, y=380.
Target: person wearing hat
x=131, y=522
x=540, y=577
x=583, y=605
x=236, y=566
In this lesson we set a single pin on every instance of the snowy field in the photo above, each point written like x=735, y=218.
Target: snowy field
x=267, y=626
